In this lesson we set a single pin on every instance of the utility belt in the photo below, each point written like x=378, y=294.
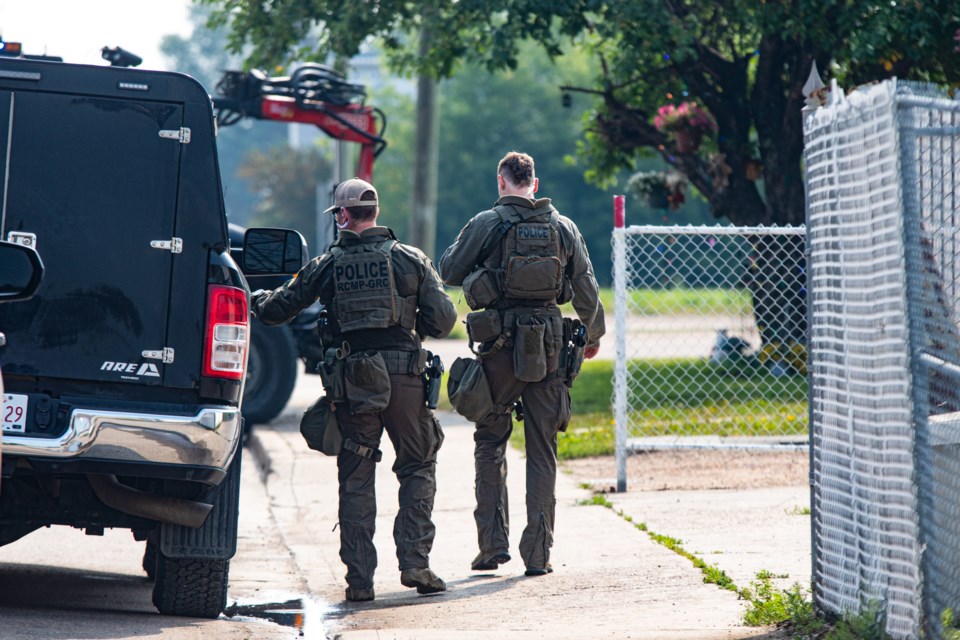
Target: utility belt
x=360, y=382
x=545, y=346
x=541, y=339
x=362, y=379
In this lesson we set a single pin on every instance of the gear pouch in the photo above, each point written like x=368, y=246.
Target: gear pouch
x=468, y=389
x=367, y=382
x=483, y=325
x=480, y=288
x=529, y=357
x=533, y=277
x=319, y=428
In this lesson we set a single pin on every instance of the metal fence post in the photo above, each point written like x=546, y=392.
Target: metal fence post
x=620, y=311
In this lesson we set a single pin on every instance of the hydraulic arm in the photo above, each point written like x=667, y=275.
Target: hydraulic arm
x=313, y=94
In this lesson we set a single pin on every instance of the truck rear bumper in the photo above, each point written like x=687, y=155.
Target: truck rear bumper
x=207, y=439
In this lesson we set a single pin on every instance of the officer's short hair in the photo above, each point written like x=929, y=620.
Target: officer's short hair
x=517, y=168
x=358, y=196
x=366, y=212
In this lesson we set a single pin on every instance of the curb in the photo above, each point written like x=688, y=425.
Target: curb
x=260, y=455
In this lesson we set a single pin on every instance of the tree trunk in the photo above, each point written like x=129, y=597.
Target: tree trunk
x=423, y=223
x=776, y=274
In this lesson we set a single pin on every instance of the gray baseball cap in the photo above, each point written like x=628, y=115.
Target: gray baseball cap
x=349, y=192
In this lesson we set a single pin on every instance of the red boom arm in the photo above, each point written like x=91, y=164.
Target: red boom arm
x=315, y=95
x=353, y=123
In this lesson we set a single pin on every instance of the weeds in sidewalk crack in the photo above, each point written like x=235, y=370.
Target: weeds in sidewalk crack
x=711, y=573
x=766, y=604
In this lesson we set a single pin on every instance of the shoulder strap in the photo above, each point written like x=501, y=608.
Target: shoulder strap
x=392, y=242
x=499, y=232
x=505, y=224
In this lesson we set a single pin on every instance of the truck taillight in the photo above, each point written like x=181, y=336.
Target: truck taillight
x=227, y=332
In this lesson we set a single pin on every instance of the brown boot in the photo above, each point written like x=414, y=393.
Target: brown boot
x=538, y=571
x=357, y=594
x=490, y=562
x=425, y=580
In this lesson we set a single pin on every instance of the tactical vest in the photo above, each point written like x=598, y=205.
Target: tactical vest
x=532, y=265
x=364, y=292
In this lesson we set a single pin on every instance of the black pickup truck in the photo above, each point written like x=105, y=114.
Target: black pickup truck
x=128, y=363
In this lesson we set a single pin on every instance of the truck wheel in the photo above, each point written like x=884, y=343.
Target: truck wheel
x=193, y=565
x=271, y=372
x=188, y=587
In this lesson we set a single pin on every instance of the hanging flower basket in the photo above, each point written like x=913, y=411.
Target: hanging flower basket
x=659, y=189
x=685, y=123
x=688, y=140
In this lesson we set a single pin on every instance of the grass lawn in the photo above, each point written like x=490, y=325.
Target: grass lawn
x=673, y=397
x=679, y=397
x=649, y=302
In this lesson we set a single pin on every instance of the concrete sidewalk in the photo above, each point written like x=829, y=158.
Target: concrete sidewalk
x=610, y=581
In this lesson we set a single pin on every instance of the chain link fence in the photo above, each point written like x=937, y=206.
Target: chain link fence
x=882, y=178
x=711, y=338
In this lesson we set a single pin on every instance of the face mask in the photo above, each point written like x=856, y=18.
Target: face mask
x=343, y=225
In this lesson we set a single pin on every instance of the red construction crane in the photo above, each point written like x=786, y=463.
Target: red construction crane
x=313, y=94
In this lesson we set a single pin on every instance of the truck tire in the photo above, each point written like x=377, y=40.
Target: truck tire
x=271, y=372
x=193, y=565
x=188, y=587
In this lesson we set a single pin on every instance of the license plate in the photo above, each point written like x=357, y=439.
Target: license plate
x=14, y=412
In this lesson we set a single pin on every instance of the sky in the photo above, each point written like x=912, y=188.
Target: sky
x=77, y=30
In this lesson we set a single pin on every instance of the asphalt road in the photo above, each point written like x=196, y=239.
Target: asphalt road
x=59, y=584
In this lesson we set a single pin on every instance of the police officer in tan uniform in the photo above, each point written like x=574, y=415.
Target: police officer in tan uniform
x=382, y=297
x=516, y=263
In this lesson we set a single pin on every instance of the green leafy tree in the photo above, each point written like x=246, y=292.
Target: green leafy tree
x=474, y=134
x=483, y=116
x=286, y=183
x=203, y=56
x=391, y=171
x=744, y=61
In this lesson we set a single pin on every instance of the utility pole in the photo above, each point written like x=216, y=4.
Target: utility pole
x=423, y=223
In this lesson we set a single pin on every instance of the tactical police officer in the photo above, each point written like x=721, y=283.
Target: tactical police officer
x=516, y=263
x=382, y=297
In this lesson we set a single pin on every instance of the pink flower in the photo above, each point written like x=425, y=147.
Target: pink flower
x=686, y=115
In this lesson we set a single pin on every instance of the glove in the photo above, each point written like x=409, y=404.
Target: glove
x=255, y=299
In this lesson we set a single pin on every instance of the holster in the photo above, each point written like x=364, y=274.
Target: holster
x=572, y=357
x=331, y=372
